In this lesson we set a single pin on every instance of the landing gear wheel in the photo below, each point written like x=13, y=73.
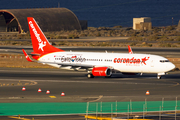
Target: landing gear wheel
x=108, y=76
x=89, y=75
x=158, y=77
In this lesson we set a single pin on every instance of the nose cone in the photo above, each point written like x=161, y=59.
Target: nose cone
x=170, y=66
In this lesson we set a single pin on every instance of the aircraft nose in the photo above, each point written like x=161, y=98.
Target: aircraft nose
x=171, y=66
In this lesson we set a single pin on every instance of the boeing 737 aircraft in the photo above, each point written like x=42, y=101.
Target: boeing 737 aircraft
x=95, y=63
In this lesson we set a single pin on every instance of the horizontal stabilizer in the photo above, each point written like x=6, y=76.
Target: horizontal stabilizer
x=34, y=54
x=27, y=56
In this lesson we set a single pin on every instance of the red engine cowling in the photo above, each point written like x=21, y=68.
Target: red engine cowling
x=101, y=71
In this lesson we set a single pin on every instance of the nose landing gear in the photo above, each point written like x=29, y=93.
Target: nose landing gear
x=159, y=77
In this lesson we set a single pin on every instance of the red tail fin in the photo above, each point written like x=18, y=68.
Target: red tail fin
x=39, y=41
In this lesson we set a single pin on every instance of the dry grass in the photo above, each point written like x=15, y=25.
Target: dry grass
x=18, y=61
x=155, y=37
x=161, y=42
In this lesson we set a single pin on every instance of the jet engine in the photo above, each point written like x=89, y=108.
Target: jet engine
x=101, y=71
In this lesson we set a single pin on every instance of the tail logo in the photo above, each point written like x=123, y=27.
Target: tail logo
x=40, y=42
x=41, y=45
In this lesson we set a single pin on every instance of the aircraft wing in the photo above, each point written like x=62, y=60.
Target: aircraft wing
x=76, y=65
x=69, y=64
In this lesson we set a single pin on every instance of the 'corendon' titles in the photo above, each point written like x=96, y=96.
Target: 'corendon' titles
x=40, y=42
x=131, y=60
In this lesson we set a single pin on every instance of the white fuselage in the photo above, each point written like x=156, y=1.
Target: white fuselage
x=130, y=63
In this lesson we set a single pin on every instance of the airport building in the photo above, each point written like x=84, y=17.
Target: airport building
x=143, y=23
x=49, y=19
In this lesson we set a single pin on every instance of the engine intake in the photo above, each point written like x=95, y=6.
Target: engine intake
x=101, y=71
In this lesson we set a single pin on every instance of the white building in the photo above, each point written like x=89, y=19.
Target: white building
x=143, y=23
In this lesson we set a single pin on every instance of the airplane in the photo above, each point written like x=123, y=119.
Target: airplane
x=95, y=63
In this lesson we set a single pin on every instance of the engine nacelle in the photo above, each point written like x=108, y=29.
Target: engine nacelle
x=101, y=71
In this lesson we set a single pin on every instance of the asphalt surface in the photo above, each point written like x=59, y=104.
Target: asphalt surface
x=78, y=88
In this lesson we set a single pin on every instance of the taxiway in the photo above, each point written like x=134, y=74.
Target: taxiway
x=78, y=88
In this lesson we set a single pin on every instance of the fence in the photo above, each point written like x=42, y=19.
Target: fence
x=130, y=107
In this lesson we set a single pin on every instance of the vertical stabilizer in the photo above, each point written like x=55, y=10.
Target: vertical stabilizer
x=39, y=41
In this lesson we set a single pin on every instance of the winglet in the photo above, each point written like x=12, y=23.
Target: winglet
x=130, y=50
x=27, y=56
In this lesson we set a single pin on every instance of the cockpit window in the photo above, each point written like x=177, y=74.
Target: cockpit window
x=163, y=61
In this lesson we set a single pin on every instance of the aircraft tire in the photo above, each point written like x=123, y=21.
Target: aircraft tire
x=89, y=75
x=158, y=77
x=108, y=76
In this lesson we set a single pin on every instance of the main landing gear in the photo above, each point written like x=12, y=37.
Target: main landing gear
x=108, y=76
x=90, y=75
